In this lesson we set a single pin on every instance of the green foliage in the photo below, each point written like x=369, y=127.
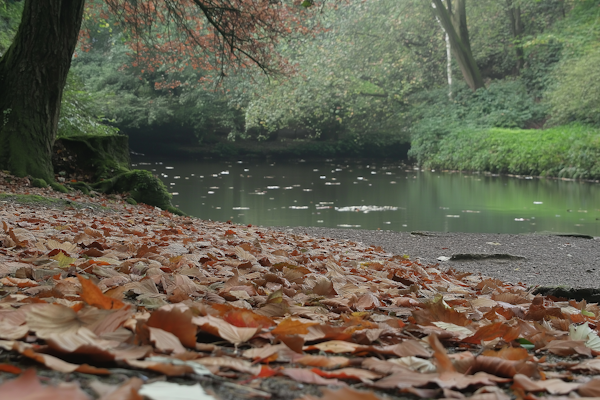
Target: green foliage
x=10, y=17
x=76, y=113
x=569, y=151
x=505, y=104
x=133, y=97
x=576, y=95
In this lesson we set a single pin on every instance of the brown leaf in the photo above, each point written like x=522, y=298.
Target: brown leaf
x=177, y=322
x=493, y=331
x=437, y=312
x=231, y=363
x=349, y=373
x=307, y=376
x=568, y=347
x=225, y=330
x=324, y=361
x=28, y=387
x=324, y=287
x=93, y=296
x=335, y=346
x=165, y=342
x=345, y=393
x=590, y=388
x=290, y=326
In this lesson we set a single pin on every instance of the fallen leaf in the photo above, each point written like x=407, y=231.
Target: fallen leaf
x=93, y=296
x=345, y=393
x=28, y=387
x=174, y=391
x=307, y=376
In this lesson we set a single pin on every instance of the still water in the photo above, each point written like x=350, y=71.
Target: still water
x=375, y=196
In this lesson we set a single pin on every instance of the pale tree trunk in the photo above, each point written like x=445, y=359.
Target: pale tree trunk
x=33, y=73
x=454, y=22
x=449, y=64
x=448, y=59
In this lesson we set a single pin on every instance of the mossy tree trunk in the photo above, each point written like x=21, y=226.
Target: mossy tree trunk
x=33, y=73
x=453, y=19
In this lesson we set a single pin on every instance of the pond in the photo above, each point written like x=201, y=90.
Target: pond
x=375, y=196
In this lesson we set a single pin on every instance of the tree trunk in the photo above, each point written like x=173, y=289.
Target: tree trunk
x=454, y=22
x=516, y=28
x=33, y=73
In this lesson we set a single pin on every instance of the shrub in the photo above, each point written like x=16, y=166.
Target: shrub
x=576, y=94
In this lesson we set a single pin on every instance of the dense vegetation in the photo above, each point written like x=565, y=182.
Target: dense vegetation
x=370, y=77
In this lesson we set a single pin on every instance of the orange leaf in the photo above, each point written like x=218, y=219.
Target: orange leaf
x=266, y=371
x=243, y=318
x=492, y=331
x=176, y=322
x=93, y=296
x=10, y=368
x=292, y=327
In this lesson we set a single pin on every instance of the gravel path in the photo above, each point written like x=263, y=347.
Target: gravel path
x=542, y=260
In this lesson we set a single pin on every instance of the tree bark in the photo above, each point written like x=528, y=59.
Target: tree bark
x=33, y=73
x=454, y=22
x=516, y=28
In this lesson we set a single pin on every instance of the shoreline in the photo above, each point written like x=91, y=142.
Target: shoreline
x=532, y=259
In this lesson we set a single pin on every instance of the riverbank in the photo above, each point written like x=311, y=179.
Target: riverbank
x=570, y=151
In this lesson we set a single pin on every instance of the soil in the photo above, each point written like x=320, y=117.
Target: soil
x=569, y=262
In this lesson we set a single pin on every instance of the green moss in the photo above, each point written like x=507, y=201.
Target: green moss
x=37, y=182
x=142, y=186
x=58, y=187
x=81, y=186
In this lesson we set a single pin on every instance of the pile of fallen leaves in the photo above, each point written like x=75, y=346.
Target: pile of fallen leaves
x=179, y=300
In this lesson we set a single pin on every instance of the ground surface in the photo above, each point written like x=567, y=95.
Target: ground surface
x=106, y=300
x=546, y=260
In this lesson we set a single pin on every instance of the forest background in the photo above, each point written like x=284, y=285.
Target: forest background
x=370, y=78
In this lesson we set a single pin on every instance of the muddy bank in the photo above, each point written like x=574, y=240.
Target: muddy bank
x=534, y=259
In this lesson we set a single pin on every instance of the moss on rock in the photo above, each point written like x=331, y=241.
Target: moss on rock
x=81, y=186
x=58, y=187
x=38, y=182
x=142, y=186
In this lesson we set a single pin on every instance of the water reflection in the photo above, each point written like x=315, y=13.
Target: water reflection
x=372, y=196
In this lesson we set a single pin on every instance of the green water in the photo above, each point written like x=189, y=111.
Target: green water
x=375, y=196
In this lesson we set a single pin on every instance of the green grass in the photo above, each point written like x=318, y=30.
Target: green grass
x=571, y=151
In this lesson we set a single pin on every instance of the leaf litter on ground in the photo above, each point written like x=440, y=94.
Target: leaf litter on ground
x=193, y=309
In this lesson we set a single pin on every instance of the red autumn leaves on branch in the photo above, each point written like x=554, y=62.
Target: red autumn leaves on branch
x=139, y=288
x=169, y=36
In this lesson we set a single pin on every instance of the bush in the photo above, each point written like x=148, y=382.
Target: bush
x=505, y=104
x=576, y=94
x=568, y=151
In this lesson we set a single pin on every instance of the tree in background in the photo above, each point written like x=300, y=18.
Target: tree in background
x=453, y=18
x=33, y=71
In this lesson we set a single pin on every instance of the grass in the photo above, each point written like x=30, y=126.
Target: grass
x=571, y=151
